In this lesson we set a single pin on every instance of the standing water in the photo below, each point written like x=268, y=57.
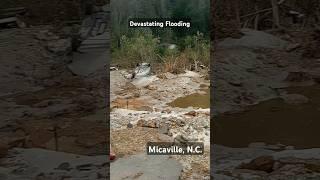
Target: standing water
x=193, y=100
x=273, y=122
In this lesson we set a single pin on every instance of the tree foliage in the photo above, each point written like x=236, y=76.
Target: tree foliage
x=197, y=10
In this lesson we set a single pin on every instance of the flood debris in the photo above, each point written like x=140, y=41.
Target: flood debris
x=152, y=119
x=49, y=111
x=266, y=89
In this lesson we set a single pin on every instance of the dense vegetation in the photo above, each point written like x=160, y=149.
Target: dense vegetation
x=132, y=45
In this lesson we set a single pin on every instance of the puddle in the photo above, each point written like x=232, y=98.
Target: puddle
x=193, y=100
x=274, y=122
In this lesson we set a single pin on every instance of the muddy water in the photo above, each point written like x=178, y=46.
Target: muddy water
x=274, y=122
x=193, y=100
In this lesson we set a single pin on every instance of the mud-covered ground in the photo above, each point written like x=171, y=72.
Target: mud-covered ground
x=266, y=106
x=146, y=110
x=46, y=108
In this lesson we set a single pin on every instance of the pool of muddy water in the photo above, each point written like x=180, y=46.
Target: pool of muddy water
x=273, y=122
x=198, y=100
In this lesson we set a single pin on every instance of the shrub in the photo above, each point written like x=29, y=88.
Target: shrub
x=144, y=47
x=197, y=49
x=141, y=47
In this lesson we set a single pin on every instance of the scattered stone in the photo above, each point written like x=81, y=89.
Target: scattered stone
x=136, y=94
x=191, y=113
x=166, y=75
x=262, y=163
x=149, y=123
x=181, y=139
x=164, y=128
x=180, y=122
x=129, y=125
x=151, y=87
x=168, y=111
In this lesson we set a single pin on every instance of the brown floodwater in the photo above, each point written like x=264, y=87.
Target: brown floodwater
x=193, y=100
x=273, y=122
